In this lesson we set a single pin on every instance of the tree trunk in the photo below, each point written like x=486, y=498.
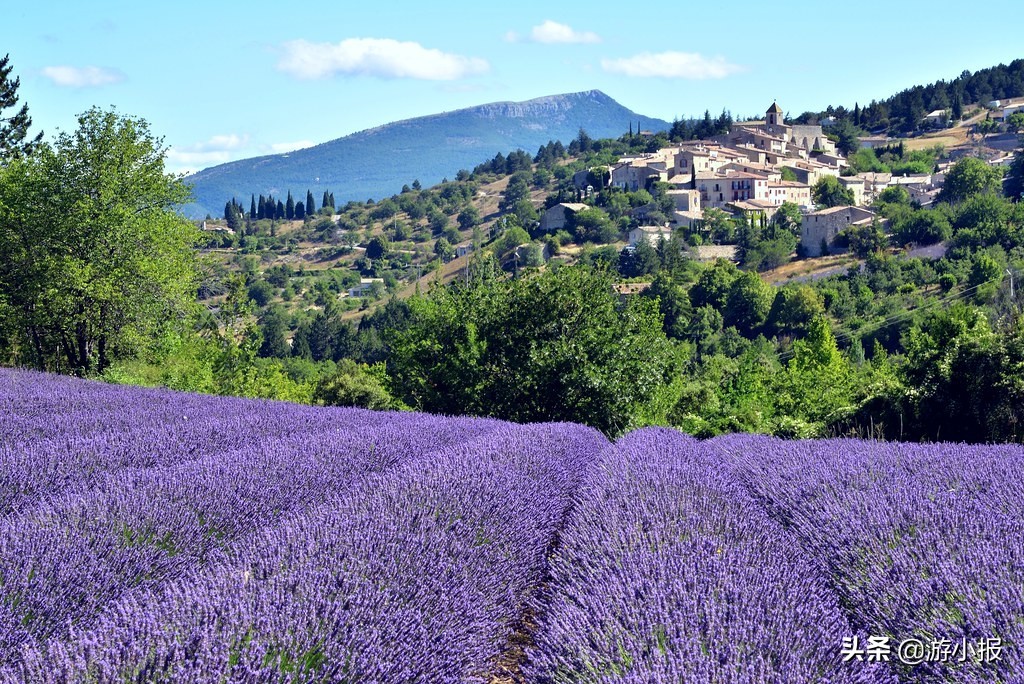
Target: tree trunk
x=101, y=343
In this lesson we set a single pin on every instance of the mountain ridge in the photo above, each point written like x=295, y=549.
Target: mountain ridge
x=377, y=161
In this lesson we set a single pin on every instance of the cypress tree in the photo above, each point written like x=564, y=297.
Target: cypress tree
x=300, y=211
x=327, y=201
x=280, y=209
x=331, y=197
x=261, y=212
x=289, y=207
x=252, y=208
x=310, y=204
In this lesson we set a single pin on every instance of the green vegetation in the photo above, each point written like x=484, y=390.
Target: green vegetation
x=95, y=264
x=904, y=112
x=299, y=300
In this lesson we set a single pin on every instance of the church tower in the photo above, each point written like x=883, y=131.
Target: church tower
x=774, y=115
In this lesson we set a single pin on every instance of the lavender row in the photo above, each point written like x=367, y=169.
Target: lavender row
x=668, y=572
x=57, y=433
x=64, y=559
x=419, y=574
x=919, y=541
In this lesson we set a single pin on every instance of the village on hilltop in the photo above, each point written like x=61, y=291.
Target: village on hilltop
x=752, y=170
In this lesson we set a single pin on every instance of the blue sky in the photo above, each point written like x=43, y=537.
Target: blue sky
x=226, y=80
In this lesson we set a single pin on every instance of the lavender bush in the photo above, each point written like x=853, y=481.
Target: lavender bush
x=668, y=571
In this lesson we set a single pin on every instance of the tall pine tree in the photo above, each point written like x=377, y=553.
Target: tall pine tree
x=289, y=207
x=310, y=204
x=14, y=140
x=252, y=208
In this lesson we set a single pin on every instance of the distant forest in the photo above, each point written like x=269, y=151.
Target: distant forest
x=903, y=111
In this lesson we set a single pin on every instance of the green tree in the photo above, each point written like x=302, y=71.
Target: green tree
x=14, y=140
x=552, y=346
x=713, y=284
x=592, y=225
x=829, y=192
x=961, y=379
x=273, y=327
x=817, y=387
x=748, y=303
x=378, y=247
x=1015, y=122
x=866, y=239
x=310, y=203
x=793, y=309
x=94, y=261
x=469, y=217
x=518, y=188
x=443, y=248
x=970, y=176
x=846, y=136
x=354, y=384
x=673, y=304
x=789, y=217
x=1015, y=183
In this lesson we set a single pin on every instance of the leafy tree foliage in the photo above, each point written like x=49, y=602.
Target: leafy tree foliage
x=1015, y=183
x=354, y=384
x=829, y=192
x=94, y=262
x=378, y=247
x=970, y=176
x=555, y=346
x=924, y=228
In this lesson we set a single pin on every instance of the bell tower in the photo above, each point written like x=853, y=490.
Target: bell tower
x=773, y=117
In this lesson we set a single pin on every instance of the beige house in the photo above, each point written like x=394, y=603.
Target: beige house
x=686, y=200
x=788, y=191
x=364, y=287
x=821, y=227
x=754, y=208
x=649, y=234
x=856, y=186
x=637, y=175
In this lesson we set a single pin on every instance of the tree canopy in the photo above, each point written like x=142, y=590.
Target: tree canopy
x=554, y=346
x=970, y=176
x=94, y=261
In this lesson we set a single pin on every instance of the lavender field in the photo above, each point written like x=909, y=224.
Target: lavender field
x=153, y=536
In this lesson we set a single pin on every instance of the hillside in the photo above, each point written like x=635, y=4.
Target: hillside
x=376, y=162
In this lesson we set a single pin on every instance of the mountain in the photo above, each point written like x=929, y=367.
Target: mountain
x=375, y=163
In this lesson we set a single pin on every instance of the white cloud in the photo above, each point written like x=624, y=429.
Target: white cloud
x=553, y=32
x=381, y=57
x=82, y=77
x=291, y=146
x=217, y=150
x=688, y=65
